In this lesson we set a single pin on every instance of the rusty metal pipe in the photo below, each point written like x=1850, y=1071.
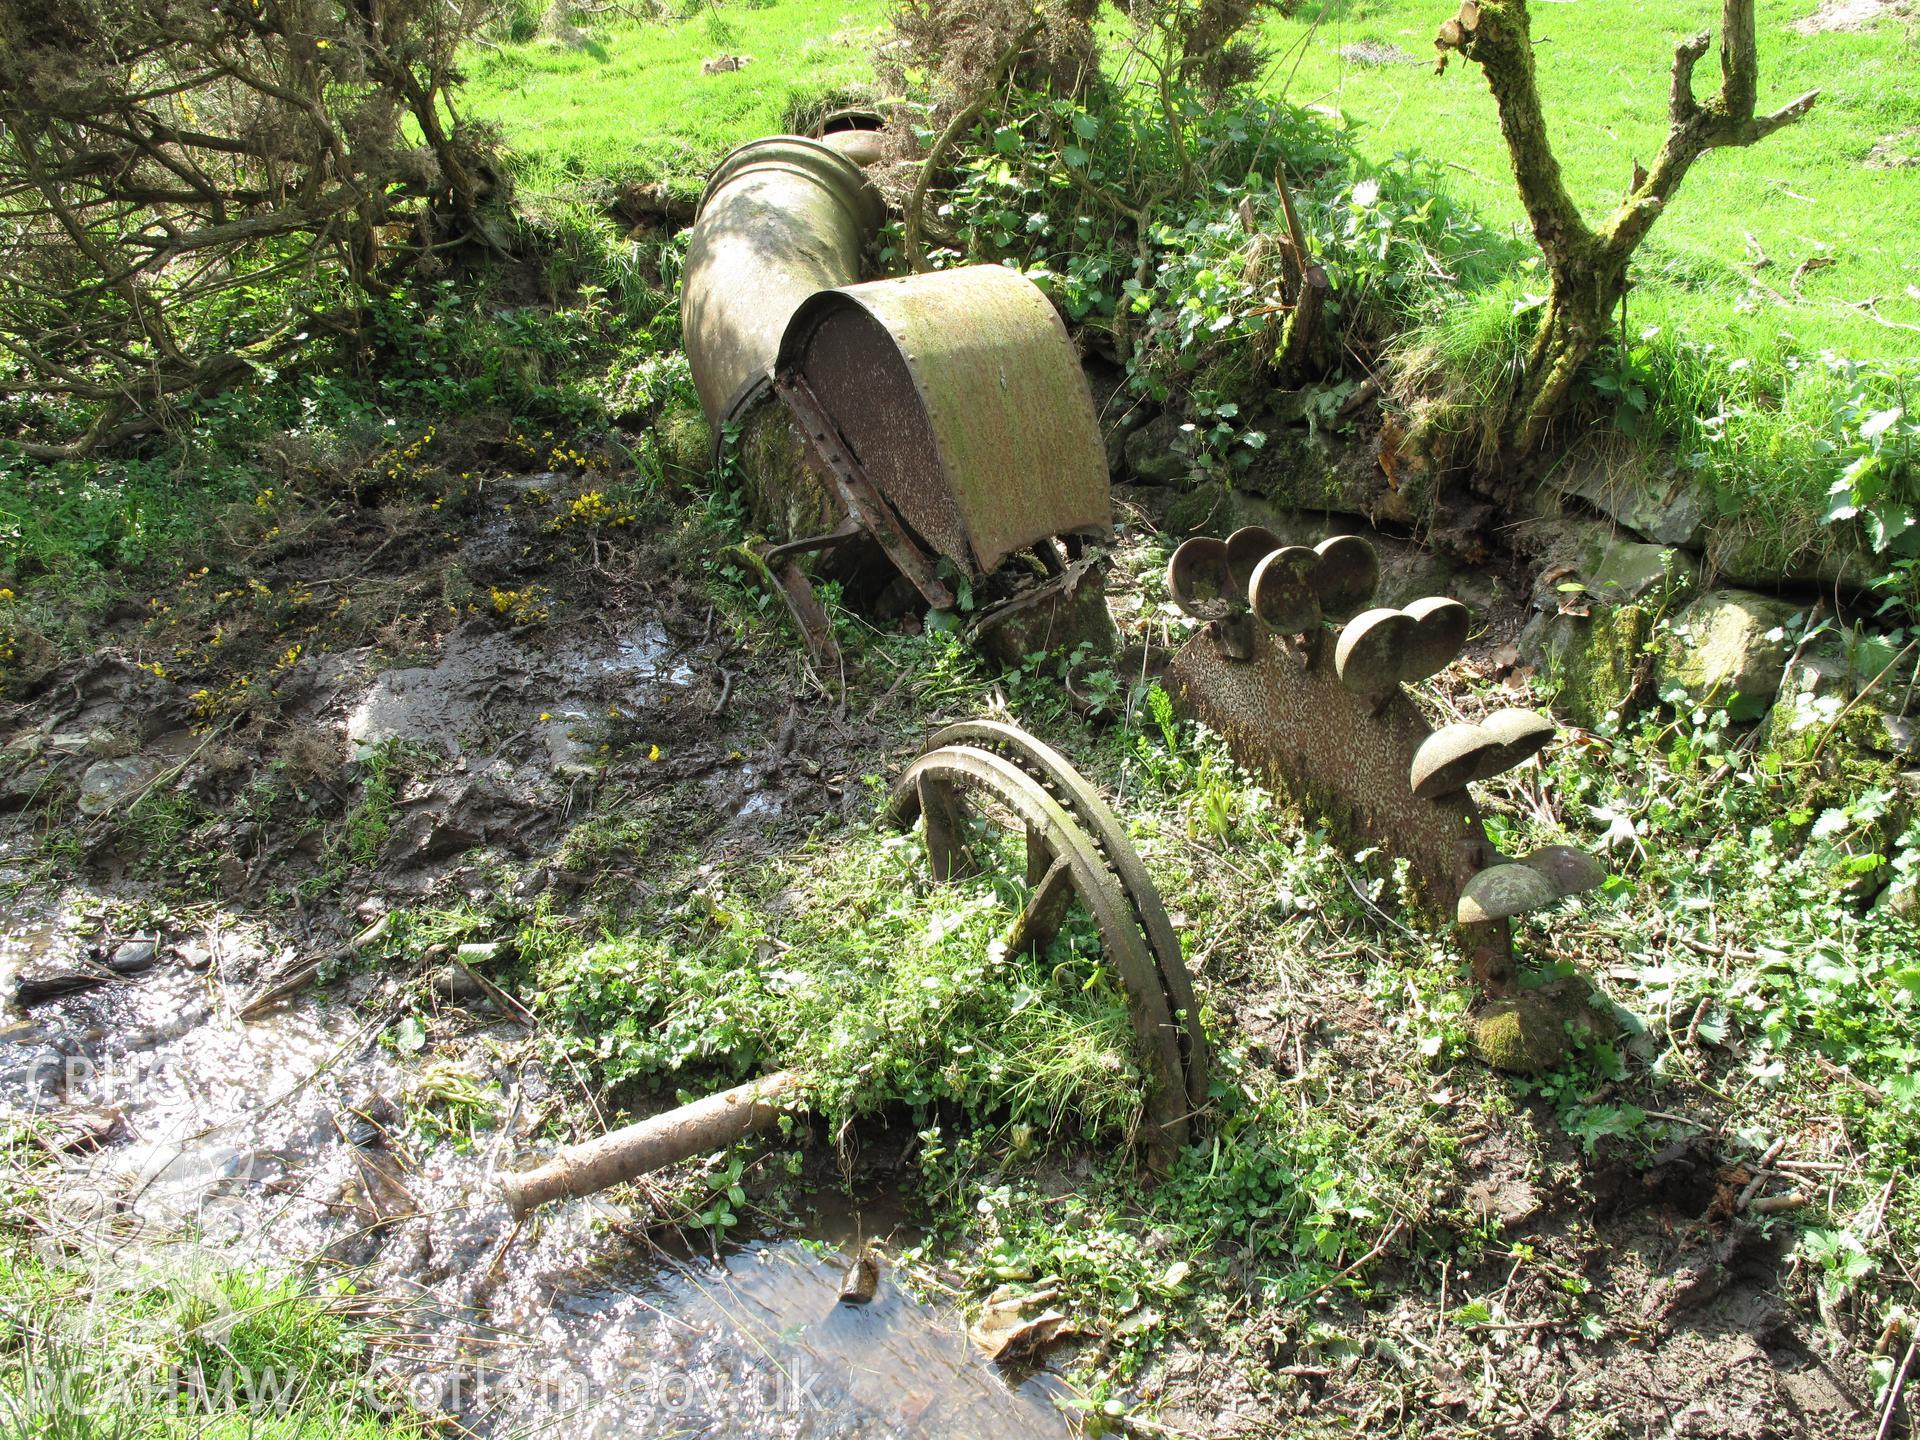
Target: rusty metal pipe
x=707, y=1124
x=781, y=219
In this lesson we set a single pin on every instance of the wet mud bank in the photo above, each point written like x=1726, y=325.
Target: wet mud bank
x=207, y=1022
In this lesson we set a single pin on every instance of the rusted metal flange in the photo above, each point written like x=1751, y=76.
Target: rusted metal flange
x=1325, y=717
x=1329, y=746
x=1060, y=850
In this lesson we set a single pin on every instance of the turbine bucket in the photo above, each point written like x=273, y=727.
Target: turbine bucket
x=1349, y=573
x=1456, y=754
x=1200, y=578
x=1282, y=591
x=1503, y=891
x=1371, y=655
x=1341, y=733
x=1246, y=548
x=1572, y=871
x=1440, y=625
x=1536, y=880
x=1517, y=735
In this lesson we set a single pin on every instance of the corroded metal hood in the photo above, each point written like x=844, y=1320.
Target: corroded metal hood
x=782, y=218
x=964, y=402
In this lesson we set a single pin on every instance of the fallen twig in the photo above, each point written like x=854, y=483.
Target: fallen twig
x=1393, y=1233
x=1894, y=1391
x=1760, y=1173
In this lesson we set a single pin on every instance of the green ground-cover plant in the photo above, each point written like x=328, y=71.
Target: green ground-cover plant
x=1086, y=197
x=1746, y=963
x=850, y=965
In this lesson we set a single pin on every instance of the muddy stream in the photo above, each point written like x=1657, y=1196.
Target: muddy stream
x=279, y=1142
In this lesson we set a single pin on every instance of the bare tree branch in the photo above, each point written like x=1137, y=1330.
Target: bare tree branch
x=1588, y=266
x=155, y=155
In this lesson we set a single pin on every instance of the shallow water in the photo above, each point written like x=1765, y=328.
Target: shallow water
x=279, y=1142
x=481, y=673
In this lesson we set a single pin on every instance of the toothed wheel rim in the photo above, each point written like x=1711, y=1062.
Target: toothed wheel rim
x=1159, y=997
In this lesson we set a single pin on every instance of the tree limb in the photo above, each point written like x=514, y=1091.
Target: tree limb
x=1681, y=106
x=956, y=127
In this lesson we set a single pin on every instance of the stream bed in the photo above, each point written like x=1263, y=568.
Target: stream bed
x=283, y=1142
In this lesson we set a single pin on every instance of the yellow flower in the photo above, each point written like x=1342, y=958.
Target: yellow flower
x=653, y=752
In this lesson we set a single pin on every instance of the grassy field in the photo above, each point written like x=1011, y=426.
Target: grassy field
x=631, y=102
x=1806, y=197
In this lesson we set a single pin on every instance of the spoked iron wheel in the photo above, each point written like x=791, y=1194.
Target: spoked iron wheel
x=1074, y=849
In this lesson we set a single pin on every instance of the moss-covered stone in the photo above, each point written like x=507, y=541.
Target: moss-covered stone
x=1771, y=555
x=1055, y=618
x=1727, y=648
x=1623, y=572
x=1159, y=452
x=784, y=496
x=1826, y=704
x=1307, y=469
x=1209, y=510
x=1631, y=485
x=1536, y=1031
x=1598, y=601
x=1594, y=660
x=685, y=438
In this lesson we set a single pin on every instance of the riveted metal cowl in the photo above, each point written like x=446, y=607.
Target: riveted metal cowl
x=964, y=399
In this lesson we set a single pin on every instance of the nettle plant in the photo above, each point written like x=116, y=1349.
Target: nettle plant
x=1153, y=219
x=1877, y=440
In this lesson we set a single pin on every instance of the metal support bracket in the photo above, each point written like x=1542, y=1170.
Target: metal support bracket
x=864, y=503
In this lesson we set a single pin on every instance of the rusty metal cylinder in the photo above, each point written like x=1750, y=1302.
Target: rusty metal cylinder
x=782, y=219
x=856, y=132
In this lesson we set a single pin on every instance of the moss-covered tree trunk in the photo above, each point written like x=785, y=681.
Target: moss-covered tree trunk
x=1587, y=266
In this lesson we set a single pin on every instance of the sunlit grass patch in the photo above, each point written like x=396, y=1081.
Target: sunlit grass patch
x=630, y=102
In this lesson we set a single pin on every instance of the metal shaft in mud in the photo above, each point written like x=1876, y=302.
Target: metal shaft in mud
x=1320, y=706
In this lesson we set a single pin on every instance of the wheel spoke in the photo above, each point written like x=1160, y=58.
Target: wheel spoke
x=1035, y=926
x=1040, y=856
x=946, y=815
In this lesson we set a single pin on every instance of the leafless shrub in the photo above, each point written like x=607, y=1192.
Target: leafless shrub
x=189, y=187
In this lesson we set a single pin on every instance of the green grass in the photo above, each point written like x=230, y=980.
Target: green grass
x=1804, y=195
x=191, y=1355
x=846, y=962
x=629, y=103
